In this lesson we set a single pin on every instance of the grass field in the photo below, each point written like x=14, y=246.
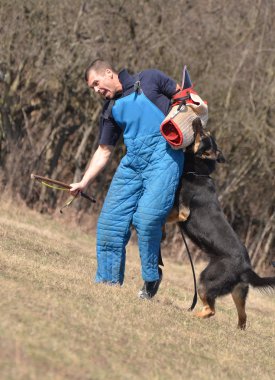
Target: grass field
x=55, y=323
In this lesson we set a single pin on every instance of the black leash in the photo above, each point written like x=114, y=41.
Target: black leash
x=195, y=298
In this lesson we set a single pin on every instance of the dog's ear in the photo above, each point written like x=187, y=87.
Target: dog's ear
x=197, y=125
x=198, y=131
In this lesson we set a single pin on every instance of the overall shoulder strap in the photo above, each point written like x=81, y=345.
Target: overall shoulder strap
x=108, y=112
x=137, y=88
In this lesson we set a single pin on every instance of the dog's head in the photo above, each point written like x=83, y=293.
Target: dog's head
x=205, y=146
x=208, y=149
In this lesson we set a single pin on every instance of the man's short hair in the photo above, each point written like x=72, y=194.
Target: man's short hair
x=98, y=65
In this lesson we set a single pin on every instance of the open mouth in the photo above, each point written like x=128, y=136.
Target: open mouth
x=104, y=93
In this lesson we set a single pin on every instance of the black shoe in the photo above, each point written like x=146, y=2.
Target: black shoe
x=150, y=288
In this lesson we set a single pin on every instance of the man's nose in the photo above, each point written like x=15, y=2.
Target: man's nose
x=96, y=88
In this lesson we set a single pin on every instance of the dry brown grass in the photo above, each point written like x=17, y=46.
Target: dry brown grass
x=55, y=323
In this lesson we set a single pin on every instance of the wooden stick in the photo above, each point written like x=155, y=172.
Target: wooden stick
x=62, y=184
x=49, y=180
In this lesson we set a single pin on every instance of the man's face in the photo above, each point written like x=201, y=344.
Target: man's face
x=102, y=83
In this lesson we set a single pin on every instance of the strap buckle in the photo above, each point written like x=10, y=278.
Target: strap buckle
x=137, y=86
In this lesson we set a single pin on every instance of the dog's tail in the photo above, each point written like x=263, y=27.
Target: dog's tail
x=264, y=283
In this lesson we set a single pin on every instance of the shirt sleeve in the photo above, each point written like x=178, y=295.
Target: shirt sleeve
x=109, y=131
x=167, y=85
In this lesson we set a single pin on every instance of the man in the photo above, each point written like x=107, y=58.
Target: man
x=144, y=185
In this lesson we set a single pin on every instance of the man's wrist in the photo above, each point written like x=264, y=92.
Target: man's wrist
x=84, y=182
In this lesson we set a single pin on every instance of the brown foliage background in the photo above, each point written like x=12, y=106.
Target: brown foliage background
x=49, y=121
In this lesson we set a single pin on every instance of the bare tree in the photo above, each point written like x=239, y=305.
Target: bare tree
x=49, y=122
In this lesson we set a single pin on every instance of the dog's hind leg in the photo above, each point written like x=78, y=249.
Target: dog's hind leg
x=207, y=296
x=208, y=309
x=239, y=295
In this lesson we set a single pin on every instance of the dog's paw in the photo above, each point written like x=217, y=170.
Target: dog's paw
x=206, y=312
x=242, y=324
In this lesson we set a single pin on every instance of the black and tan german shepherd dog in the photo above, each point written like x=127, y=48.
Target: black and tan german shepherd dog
x=199, y=215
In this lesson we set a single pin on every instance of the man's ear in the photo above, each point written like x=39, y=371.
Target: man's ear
x=109, y=73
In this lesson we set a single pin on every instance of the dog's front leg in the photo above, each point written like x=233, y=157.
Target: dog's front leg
x=208, y=309
x=178, y=214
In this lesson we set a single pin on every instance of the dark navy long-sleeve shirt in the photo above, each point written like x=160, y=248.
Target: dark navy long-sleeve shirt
x=158, y=87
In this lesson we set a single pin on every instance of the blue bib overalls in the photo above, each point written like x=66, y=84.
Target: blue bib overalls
x=141, y=193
